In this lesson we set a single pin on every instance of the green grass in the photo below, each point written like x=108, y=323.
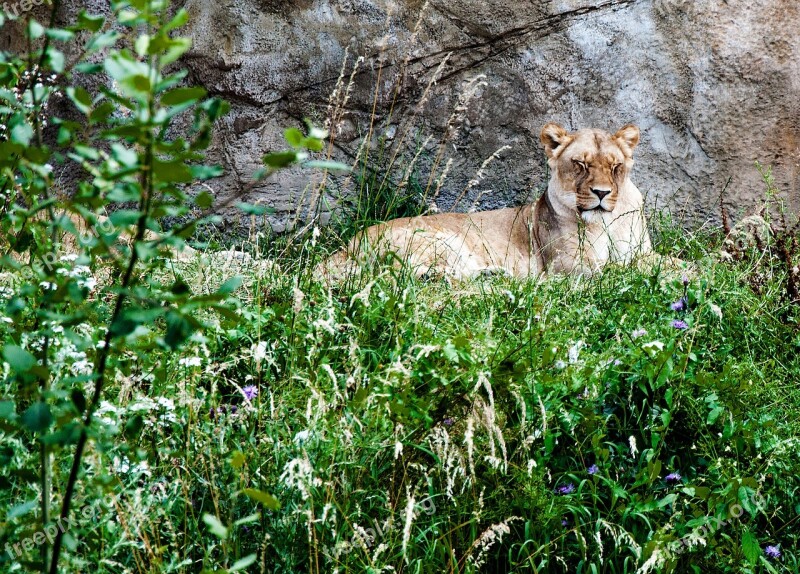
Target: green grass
x=415, y=426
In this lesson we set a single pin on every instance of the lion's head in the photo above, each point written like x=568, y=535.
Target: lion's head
x=589, y=167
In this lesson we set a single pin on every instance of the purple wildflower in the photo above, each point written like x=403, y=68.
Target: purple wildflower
x=680, y=305
x=639, y=333
x=212, y=413
x=681, y=325
x=564, y=522
x=594, y=469
x=250, y=392
x=773, y=551
x=568, y=488
x=685, y=280
x=673, y=477
x=449, y=421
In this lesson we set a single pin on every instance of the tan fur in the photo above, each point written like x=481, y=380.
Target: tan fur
x=590, y=215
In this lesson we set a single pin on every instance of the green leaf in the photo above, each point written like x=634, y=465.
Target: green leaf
x=178, y=47
x=38, y=417
x=329, y=165
x=179, y=329
x=141, y=44
x=250, y=209
x=255, y=517
x=770, y=568
x=205, y=171
x=81, y=98
x=22, y=509
x=89, y=67
x=55, y=59
x=35, y=30
x=204, y=200
x=18, y=358
x=123, y=326
x=89, y=22
x=237, y=459
x=101, y=113
x=293, y=137
x=264, y=498
x=183, y=95
x=60, y=34
x=124, y=217
x=8, y=410
x=22, y=133
x=136, y=84
x=171, y=171
x=714, y=414
x=215, y=526
x=104, y=40
x=313, y=144
x=128, y=158
x=180, y=19
x=280, y=159
x=750, y=547
x=242, y=563
x=134, y=426
x=230, y=285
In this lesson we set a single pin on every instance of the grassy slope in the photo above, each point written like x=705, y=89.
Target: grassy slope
x=492, y=426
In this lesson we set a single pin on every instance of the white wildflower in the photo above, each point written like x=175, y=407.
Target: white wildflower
x=363, y=295
x=298, y=297
x=409, y=519
x=259, y=351
x=142, y=404
x=493, y=535
x=574, y=351
x=298, y=473
x=166, y=403
x=469, y=436
x=190, y=362
x=121, y=464
x=632, y=444
x=301, y=437
x=87, y=283
x=82, y=366
x=653, y=347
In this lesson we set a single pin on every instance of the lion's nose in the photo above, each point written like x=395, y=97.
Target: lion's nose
x=601, y=193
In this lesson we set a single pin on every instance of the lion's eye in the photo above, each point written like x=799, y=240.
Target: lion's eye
x=616, y=167
x=579, y=164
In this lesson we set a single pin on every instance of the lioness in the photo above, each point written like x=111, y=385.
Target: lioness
x=591, y=214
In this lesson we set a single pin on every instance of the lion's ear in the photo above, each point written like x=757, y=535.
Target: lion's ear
x=552, y=137
x=628, y=136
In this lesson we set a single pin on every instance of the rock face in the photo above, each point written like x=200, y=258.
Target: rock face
x=449, y=84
